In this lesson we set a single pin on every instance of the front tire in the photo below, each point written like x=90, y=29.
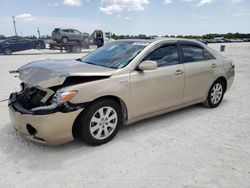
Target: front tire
x=99, y=122
x=7, y=51
x=64, y=40
x=215, y=94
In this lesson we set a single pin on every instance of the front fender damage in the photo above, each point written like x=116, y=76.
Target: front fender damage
x=41, y=84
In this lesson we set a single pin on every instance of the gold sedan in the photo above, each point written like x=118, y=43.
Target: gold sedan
x=122, y=82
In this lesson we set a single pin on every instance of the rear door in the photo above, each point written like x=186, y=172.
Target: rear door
x=200, y=67
x=67, y=33
x=27, y=44
x=77, y=35
x=17, y=45
x=161, y=88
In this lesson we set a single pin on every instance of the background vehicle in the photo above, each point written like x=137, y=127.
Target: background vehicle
x=73, y=43
x=69, y=47
x=97, y=38
x=120, y=83
x=66, y=35
x=16, y=44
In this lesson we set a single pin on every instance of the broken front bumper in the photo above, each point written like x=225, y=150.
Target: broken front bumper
x=52, y=128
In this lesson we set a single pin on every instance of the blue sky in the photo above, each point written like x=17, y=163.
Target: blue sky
x=151, y=17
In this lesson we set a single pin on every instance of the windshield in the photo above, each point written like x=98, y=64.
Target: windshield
x=116, y=54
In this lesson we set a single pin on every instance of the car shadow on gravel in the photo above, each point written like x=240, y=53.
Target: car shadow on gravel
x=35, y=155
x=43, y=157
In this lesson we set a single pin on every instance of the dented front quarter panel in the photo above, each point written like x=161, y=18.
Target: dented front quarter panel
x=117, y=85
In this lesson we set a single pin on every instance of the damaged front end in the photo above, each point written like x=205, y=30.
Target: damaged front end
x=44, y=81
x=39, y=114
x=39, y=101
x=42, y=111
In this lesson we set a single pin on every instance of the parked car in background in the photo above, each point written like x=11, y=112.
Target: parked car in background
x=202, y=40
x=15, y=44
x=65, y=35
x=124, y=81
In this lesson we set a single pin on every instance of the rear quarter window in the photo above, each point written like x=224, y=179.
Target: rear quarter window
x=76, y=32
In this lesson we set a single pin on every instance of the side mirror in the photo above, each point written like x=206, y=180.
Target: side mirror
x=147, y=65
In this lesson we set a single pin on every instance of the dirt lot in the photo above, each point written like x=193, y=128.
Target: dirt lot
x=192, y=147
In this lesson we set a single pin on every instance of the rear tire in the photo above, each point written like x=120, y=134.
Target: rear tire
x=99, y=122
x=86, y=39
x=215, y=94
x=38, y=46
x=77, y=49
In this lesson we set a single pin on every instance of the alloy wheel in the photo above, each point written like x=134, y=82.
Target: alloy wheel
x=103, y=123
x=216, y=93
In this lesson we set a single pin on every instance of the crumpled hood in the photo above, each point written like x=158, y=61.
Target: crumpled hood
x=48, y=73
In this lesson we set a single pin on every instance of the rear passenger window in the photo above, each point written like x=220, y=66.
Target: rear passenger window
x=208, y=55
x=192, y=53
x=76, y=32
x=165, y=55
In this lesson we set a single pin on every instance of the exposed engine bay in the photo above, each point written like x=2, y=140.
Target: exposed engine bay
x=42, y=85
x=36, y=100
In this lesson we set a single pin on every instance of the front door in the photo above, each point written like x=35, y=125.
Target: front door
x=161, y=88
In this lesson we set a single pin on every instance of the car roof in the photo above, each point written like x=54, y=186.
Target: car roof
x=67, y=29
x=162, y=39
x=12, y=38
x=137, y=40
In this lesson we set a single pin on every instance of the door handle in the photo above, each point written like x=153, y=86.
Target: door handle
x=178, y=72
x=214, y=65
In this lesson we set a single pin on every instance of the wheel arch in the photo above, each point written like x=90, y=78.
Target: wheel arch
x=221, y=79
x=119, y=101
x=224, y=80
x=7, y=48
x=64, y=37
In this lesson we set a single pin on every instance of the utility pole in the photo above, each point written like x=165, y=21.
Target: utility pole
x=14, y=22
x=38, y=31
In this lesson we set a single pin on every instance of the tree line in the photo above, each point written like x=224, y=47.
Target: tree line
x=206, y=36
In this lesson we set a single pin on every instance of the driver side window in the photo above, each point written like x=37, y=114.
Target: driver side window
x=165, y=55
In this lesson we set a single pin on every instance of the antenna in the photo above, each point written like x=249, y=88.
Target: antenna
x=14, y=22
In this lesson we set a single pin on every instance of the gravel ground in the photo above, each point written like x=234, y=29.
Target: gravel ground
x=192, y=147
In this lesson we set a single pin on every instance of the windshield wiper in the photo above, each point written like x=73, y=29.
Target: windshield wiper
x=91, y=63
